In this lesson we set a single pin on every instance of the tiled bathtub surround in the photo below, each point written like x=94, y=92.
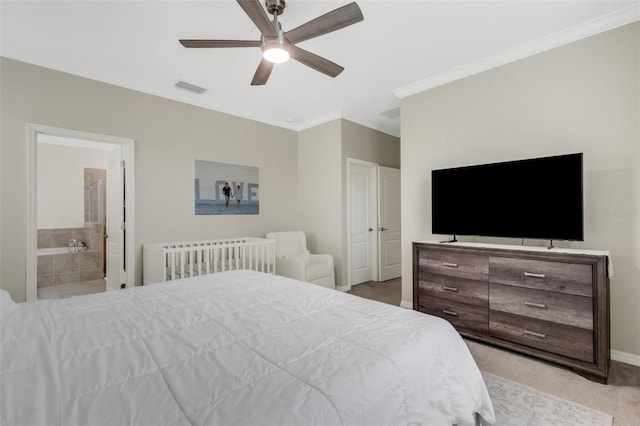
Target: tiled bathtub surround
x=67, y=267
x=63, y=268
x=59, y=237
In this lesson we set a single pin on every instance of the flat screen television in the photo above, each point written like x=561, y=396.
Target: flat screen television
x=539, y=198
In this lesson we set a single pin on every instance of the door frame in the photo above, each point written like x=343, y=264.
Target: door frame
x=374, y=252
x=127, y=147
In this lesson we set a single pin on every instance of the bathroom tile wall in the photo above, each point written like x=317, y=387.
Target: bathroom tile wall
x=46, y=277
x=48, y=238
x=77, y=267
x=63, y=268
x=95, y=201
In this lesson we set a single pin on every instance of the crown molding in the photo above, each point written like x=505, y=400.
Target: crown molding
x=338, y=114
x=319, y=119
x=373, y=125
x=577, y=32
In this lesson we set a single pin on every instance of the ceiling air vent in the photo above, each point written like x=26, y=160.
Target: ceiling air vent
x=392, y=113
x=190, y=87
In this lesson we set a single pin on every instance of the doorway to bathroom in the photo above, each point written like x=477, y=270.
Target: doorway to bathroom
x=80, y=210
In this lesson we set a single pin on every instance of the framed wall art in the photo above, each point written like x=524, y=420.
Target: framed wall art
x=222, y=188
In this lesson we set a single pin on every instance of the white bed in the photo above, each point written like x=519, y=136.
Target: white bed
x=234, y=348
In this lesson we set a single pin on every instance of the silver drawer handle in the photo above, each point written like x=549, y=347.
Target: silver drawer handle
x=448, y=312
x=531, y=274
x=536, y=305
x=533, y=333
x=450, y=288
x=451, y=265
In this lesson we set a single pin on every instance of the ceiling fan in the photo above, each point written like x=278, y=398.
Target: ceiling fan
x=277, y=45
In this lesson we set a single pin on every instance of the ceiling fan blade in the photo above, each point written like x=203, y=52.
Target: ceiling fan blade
x=332, y=21
x=257, y=14
x=316, y=62
x=220, y=43
x=262, y=73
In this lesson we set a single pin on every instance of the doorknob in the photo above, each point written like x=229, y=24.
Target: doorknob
x=383, y=229
x=370, y=229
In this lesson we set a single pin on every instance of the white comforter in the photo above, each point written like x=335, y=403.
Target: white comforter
x=235, y=348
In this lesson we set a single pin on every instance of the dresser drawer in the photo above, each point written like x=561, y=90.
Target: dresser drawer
x=460, y=315
x=576, y=311
x=569, y=278
x=565, y=340
x=454, y=264
x=453, y=288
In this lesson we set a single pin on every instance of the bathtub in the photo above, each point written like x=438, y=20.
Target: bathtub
x=59, y=250
x=52, y=250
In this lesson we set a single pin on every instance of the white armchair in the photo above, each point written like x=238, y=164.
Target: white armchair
x=294, y=260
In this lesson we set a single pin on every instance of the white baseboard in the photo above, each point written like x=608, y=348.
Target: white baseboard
x=625, y=357
x=406, y=305
x=344, y=288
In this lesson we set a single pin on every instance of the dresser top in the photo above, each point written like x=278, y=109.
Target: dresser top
x=528, y=248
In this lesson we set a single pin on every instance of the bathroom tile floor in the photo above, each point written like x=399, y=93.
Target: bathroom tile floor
x=62, y=291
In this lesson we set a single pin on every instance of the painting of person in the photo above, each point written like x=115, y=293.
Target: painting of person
x=237, y=194
x=226, y=190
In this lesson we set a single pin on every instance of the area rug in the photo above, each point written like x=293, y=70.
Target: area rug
x=519, y=405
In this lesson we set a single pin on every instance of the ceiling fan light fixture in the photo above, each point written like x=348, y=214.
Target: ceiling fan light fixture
x=275, y=54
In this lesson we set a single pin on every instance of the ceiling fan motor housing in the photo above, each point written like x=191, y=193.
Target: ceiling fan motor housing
x=275, y=6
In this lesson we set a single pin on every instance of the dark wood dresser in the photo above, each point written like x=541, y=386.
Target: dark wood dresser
x=547, y=304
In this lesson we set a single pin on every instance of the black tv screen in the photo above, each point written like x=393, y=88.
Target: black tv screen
x=538, y=198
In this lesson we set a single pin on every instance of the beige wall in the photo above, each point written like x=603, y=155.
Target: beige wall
x=366, y=144
x=61, y=183
x=168, y=136
x=319, y=189
x=582, y=97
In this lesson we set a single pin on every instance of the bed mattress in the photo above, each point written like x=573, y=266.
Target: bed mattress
x=234, y=348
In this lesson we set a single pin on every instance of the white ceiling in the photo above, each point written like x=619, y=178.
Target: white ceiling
x=401, y=47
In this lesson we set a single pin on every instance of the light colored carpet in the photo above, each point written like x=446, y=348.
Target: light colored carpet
x=519, y=405
x=620, y=398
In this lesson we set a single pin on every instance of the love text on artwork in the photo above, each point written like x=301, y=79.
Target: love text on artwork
x=251, y=193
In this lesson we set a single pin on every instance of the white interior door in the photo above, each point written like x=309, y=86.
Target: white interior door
x=115, y=221
x=389, y=247
x=362, y=219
